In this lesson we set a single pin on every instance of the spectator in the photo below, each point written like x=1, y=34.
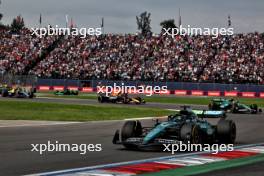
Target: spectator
x=226, y=59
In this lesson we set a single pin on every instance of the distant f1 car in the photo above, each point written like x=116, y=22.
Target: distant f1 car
x=185, y=126
x=233, y=106
x=18, y=92
x=67, y=92
x=120, y=98
x=4, y=87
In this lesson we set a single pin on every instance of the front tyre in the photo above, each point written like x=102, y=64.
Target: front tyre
x=130, y=129
x=254, y=108
x=4, y=93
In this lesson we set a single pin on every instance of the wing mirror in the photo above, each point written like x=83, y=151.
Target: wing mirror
x=156, y=121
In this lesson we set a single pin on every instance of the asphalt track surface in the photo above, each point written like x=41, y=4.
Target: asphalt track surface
x=16, y=157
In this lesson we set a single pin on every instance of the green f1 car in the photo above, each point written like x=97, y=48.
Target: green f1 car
x=67, y=92
x=185, y=126
x=233, y=106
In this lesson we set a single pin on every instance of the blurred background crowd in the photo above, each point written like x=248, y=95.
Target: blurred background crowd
x=226, y=59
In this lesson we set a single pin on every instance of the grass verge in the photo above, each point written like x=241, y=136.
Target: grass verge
x=22, y=110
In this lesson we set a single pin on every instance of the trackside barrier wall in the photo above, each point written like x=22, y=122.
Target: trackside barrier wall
x=176, y=88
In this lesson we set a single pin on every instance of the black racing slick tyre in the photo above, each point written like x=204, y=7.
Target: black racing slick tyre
x=210, y=106
x=234, y=108
x=100, y=99
x=191, y=133
x=4, y=93
x=254, y=108
x=31, y=95
x=141, y=100
x=131, y=129
x=226, y=131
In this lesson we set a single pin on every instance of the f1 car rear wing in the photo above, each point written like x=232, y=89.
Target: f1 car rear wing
x=210, y=114
x=207, y=114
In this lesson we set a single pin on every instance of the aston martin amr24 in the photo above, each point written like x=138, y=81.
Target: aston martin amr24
x=184, y=126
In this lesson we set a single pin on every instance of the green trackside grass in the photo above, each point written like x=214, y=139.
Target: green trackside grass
x=164, y=99
x=23, y=110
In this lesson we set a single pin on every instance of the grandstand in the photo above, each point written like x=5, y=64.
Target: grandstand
x=225, y=59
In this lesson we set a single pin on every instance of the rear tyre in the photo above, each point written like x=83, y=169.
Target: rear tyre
x=125, y=100
x=100, y=99
x=131, y=129
x=255, y=108
x=75, y=93
x=210, y=106
x=31, y=95
x=4, y=93
x=226, y=131
x=234, y=108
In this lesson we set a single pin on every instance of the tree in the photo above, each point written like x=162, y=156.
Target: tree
x=143, y=22
x=17, y=24
x=168, y=24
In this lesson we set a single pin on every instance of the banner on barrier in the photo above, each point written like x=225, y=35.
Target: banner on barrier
x=214, y=93
x=168, y=92
x=59, y=88
x=230, y=94
x=197, y=93
x=248, y=94
x=180, y=92
x=45, y=88
x=87, y=89
x=73, y=88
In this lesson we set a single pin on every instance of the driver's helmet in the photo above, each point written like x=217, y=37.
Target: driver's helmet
x=233, y=101
x=175, y=117
x=185, y=112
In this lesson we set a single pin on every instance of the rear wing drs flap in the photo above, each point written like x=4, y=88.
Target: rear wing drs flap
x=210, y=114
x=207, y=113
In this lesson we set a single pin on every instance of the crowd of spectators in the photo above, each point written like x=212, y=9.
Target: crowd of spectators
x=19, y=50
x=225, y=59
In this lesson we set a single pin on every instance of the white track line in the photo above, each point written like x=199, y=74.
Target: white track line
x=50, y=123
x=147, y=118
x=36, y=125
